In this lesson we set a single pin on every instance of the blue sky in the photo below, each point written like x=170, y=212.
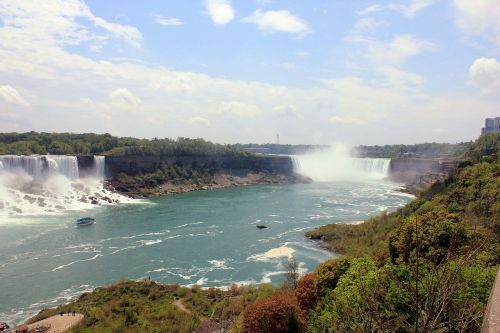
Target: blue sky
x=362, y=72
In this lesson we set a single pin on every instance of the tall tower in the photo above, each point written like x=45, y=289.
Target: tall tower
x=277, y=138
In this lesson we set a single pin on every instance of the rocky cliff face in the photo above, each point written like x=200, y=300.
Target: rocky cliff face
x=212, y=172
x=419, y=173
x=133, y=165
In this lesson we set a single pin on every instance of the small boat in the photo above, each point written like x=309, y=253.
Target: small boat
x=85, y=221
x=261, y=226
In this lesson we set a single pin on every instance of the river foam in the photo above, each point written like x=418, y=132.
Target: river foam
x=41, y=185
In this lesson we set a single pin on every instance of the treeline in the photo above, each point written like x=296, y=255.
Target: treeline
x=386, y=151
x=106, y=144
x=273, y=148
x=417, y=150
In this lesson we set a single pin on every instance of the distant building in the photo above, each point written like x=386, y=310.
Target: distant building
x=491, y=125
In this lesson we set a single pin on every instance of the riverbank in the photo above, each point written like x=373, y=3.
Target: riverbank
x=135, y=188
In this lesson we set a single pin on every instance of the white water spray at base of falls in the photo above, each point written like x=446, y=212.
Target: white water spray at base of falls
x=47, y=184
x=337, y=164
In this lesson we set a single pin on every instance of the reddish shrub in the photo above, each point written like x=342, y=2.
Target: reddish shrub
x=279, y=313
x=306, y=293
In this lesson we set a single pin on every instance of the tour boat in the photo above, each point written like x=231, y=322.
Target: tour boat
x=85, y=221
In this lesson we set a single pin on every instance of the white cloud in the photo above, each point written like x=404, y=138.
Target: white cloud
x=336, y=120
x=409, y=10
x=122, y=97
x=220, y=11
x=368, y=24
x=393, y=52
x=288, y=110
x=239, y=109
x=200, y=121
x=278, y=21
x=59, y=19
x=479, y=18
x=11, y=95
x=166, y=21
x=130, y=34
x=485, y=75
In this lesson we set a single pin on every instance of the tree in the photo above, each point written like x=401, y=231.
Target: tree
x=292, y=274
x=306, y=293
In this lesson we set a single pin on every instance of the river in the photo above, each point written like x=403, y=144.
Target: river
x=207, y=238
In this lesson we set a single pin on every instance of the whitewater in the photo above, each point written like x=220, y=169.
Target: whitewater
x=50, y=184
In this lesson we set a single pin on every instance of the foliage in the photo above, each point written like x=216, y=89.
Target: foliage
x=387, y=151
x=306, y=292
x=144, y=306
x=106, y=144
x=364, y=300
x=359, y=239
x=279, y=313
x=418, y=150
x=328, y=274
x=406, y=297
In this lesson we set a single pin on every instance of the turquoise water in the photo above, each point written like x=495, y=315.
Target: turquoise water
x=207, y=238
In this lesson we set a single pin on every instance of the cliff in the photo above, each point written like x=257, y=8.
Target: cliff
x=146, y=176
x=133, y=165
x=419, y=173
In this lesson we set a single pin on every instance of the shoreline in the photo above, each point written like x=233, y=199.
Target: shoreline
x=138, y=190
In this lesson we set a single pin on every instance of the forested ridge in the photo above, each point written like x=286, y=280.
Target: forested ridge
x=427, y=150
x=106, y=144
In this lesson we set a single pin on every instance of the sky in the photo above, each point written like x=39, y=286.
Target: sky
x=314, y=72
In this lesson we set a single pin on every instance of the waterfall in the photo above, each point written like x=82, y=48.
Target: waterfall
x=51, y=184
x=35, y=166
x=64, y=165
x=41, y=166
x=336, y=164
x=100, y=166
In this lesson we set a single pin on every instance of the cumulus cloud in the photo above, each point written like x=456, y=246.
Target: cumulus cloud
x=45, y=19
x=278, y=21
x=480, y=18
x=122, y=97
x=485, y=75
x=12, y=96
x=411, y=9
x=387, y=58
x=200, y=121
x=220, y=11
x=166, y=21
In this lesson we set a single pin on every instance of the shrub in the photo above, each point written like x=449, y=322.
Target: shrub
x=306, y=293
x=328, y=274
x=279, y=313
